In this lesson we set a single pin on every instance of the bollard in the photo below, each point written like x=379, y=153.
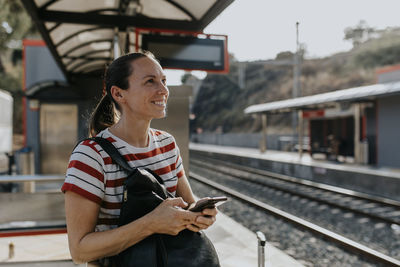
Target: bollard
x=11, y=251
x=261, y=249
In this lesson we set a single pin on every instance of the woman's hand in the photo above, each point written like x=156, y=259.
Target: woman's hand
x=206, y=218
x=170, y=217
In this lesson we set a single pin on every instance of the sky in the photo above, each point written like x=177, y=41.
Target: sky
x=260, y=29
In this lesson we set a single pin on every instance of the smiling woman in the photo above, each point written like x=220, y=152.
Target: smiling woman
x=135, y=93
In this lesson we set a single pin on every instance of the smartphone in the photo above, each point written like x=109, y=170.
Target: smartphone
x=206, y=203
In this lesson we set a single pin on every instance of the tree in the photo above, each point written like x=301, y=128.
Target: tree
x=15, y=25
x=359, y=33
x=284, y=55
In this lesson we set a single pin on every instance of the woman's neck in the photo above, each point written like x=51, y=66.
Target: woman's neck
x=134, y=133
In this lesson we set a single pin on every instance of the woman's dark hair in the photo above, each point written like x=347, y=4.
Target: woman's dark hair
x=105, y=114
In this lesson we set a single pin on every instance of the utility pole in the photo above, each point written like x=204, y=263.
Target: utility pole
x=296, y=92
x=242, y=75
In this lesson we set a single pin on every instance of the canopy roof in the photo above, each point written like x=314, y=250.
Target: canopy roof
x=80, y=34
x=356, y=94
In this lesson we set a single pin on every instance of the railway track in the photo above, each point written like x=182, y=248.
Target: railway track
x=347, y=243
x=385, y=210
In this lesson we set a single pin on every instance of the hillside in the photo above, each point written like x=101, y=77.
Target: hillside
x=220, y=101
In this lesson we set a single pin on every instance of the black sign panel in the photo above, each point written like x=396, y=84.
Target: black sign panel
x=186, y=52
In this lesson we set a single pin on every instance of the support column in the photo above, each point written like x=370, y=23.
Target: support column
x=177, y=121
x=357, y=133
x=263, y=141
x=300, y=132
x=242, y=75
x=116, y=49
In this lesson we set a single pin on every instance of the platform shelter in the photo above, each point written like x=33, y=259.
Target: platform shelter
x=358, y=124
x=63, y=73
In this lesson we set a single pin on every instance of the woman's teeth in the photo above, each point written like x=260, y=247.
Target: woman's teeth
x=160, y=103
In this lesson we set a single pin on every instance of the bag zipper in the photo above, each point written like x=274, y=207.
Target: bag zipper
x=125, y=194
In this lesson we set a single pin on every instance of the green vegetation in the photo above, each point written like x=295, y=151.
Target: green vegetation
x=381, y=57
x=15, y=25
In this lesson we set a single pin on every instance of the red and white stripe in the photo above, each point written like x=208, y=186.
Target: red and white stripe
x=92, y=174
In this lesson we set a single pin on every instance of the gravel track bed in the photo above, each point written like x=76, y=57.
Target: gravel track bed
x=302, y=245
x=374, y=234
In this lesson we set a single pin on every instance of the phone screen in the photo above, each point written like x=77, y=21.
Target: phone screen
x=206, y=203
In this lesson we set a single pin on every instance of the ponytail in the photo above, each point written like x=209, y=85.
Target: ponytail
x=107, y=111
x=103, y=116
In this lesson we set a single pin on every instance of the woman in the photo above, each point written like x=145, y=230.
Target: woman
x=136, y=87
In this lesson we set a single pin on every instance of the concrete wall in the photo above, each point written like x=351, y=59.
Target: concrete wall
x=389, y=132
x=251, y=140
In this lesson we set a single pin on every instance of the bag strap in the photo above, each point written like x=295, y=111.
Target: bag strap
x=162, y=255
x=113, y=152
x=119, y=159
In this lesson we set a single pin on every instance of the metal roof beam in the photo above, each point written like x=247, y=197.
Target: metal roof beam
x=213, y=12
x=49, y=3
x=85, y=44
x=77, y=33
x=119, y=21
x=31, y=7
x=184, y=10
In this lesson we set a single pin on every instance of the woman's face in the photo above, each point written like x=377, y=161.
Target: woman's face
x=146, y=97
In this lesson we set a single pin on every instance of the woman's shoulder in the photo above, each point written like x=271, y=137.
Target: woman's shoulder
x=90, y=146
x=161, y=135
x=87, y=148
x=157, y=132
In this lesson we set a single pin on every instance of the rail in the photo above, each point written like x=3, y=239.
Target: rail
x=346, y=242
x=31, y=178
x=29, y=181
x=395, y=205
x=300, y=181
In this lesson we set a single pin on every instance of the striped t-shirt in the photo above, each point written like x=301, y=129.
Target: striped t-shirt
x=92, y=174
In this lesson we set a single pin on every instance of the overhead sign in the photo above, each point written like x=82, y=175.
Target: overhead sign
x=188, y=51
x=310, y=114
x=328, y=113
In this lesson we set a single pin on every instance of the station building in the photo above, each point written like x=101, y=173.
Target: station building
x=358, y=124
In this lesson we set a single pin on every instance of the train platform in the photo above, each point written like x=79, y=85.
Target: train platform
x=235, y=244
x=383, y=182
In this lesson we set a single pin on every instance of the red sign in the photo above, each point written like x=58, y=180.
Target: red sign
x=313, y=114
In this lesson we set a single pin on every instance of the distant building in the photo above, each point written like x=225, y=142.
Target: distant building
x=362, y=123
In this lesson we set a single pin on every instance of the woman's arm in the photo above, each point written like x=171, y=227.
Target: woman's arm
x=184, y=191
x=86, y=245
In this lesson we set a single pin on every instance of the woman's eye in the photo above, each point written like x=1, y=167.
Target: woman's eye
x=164, y=81
x=150, y=81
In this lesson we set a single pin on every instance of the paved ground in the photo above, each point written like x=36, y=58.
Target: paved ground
x=235, y=244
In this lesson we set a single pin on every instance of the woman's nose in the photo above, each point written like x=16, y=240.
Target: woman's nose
x=163, y=89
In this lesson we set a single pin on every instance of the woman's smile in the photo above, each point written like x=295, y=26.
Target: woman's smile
x=159, y=103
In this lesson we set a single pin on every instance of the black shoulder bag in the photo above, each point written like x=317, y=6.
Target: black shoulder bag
x=144, y=190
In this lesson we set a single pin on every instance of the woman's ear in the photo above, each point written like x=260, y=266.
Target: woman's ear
x=117, y=94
